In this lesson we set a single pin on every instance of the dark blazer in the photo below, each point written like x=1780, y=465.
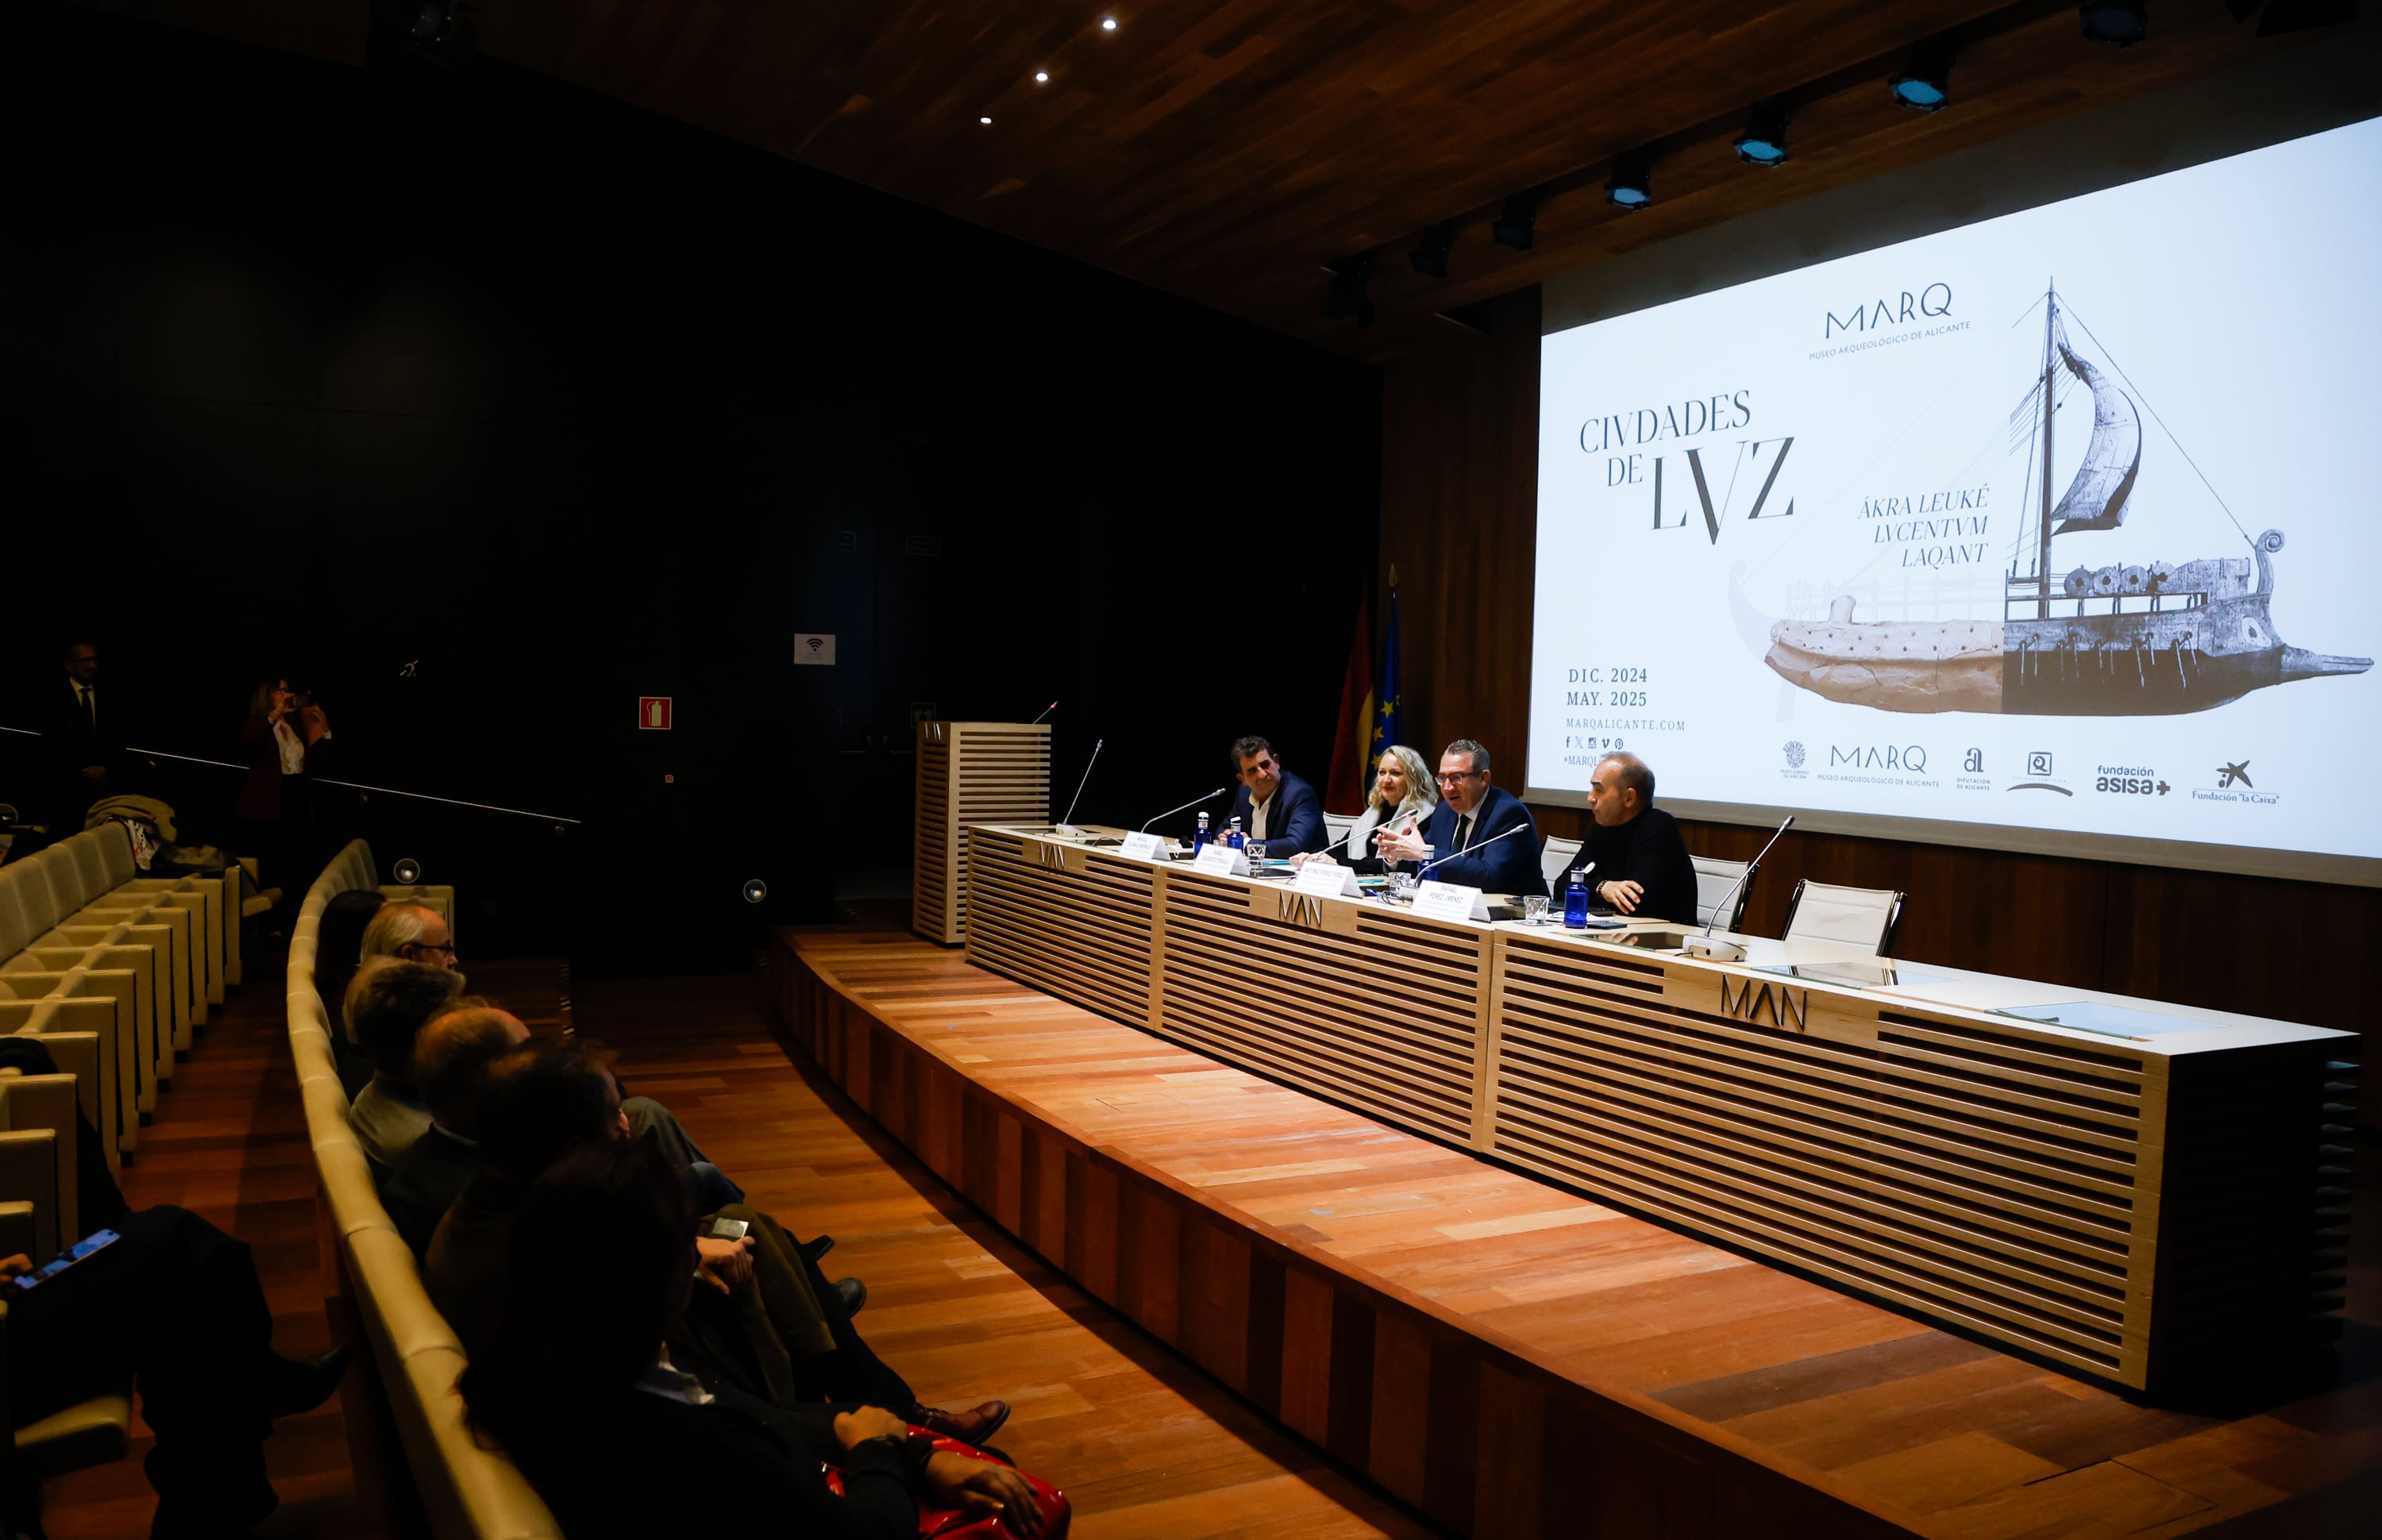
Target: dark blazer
x=423, y=1183
x=1293, y=820
x=645, y=1459
x=69, y=738
x=267, y=795
x=1509, y=866
x=1648, y=852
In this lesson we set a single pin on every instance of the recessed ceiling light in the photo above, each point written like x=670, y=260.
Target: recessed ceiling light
x=1108, y=24
x=987, y=121
x=1041, y=77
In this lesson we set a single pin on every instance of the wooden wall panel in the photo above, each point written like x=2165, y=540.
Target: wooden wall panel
x=1459, y=487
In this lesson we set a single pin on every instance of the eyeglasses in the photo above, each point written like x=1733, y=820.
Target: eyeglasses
x=1443, y=778
x=444, y=949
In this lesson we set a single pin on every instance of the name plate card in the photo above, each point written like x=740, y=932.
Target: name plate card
x=1144, y=847
x=1450, y=901
x=1332, y=881
x=1220, y=860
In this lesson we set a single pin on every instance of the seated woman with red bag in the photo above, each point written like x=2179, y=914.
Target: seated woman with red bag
x=578, y=1388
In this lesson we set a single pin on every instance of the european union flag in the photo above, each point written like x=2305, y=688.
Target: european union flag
x=1385, y=693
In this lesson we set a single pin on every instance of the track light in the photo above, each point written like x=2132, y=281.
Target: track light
x=2121, y=23
x=1345, y=294
x=1925, y=83
x=1518, y=224
x=1632, y=184
x=1764, y=139
x=1431, y=257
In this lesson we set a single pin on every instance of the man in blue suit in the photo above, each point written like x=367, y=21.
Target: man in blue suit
x=1471, y=814
x=1273, y=804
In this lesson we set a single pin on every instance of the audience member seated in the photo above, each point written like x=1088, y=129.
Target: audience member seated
x=1642, y=866
x=173, y=1306
x=1480, y=834
x=768, y=1324
x=386, y=1008
x=338, y=950
x=580, y=1388
x=411, y=933
x=1402, y=798
x=450, y=1061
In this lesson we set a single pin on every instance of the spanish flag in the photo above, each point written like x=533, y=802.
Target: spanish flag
x=1352, y=766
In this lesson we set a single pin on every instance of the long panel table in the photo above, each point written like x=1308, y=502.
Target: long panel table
x=2148, y=1199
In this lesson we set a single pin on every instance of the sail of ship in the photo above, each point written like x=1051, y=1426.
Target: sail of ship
x=2118, y=640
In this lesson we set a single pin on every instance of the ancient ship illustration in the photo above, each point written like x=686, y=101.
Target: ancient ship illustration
x=2119, y=641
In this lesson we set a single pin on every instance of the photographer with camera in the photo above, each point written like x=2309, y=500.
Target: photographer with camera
x=276, y=817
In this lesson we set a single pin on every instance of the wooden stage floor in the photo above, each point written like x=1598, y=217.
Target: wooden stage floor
x=1890, y=1418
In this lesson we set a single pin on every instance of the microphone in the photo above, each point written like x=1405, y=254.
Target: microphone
x=1067, y=825
x=1482, y=846
x=1729, y=951
x=1044, y=712
x=1192, y=804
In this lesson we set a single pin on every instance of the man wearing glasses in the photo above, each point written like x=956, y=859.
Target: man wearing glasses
x=1273, y=804
x=1459, y=833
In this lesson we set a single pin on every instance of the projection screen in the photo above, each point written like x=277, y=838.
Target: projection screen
x=2058, y=532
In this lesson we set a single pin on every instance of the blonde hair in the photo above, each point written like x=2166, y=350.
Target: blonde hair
x=1422, y=794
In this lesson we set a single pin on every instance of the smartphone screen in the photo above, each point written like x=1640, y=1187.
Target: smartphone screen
x=68, y=1258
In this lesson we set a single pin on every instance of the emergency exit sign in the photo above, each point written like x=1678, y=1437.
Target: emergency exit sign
x=654, y=713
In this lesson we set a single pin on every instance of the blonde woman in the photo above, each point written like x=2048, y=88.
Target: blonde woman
x=1401, y=793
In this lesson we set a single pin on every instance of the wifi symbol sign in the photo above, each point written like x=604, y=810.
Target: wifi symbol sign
x=815, y=648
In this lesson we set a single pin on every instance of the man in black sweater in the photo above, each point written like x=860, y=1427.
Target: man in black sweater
x=1642, y=868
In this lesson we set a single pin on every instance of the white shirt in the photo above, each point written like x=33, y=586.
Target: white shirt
x=1258, y=814
x=293, y=748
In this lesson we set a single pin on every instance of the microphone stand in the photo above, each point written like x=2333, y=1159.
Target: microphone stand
x=1044, y=712
x=1452, y=855
x=1729, y=951
x=1192, y=804
x=1067, y=825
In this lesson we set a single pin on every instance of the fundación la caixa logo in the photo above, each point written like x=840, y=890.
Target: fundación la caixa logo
x=2235, y=785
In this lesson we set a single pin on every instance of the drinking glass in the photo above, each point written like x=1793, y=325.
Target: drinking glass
x=1534, y=908
x=1403, y=886
x=1254, y=849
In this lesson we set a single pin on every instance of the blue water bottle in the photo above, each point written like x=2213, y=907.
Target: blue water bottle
x=1576, y=900
x=1233, y=839
x=1200, y=840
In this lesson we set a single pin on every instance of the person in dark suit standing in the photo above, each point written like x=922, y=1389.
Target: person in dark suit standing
x=1642, y=867
x=83, y=737
x=1273, y=804
x=1459, y=833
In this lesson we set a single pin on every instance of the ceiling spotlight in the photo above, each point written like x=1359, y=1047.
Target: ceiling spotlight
x=1041, y=77
x=407, y=872
x=1431, y=257
x=1632, y=184
x=986, y=121
x=1923, y=83
x=1764, y=139
x=755, y=890
x=2121, y=23
x=1517, y=225
x=1345, y=294
x=1108, y=24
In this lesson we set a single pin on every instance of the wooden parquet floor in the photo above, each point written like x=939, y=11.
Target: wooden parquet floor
x=1962, y=1438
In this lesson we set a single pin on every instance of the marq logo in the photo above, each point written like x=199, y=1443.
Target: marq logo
x=1794, y=757
x=1907, y=756
x=1876, y=316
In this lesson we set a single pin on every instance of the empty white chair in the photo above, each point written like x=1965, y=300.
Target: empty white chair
x=1715, y=879
x=1864, y=917
x=1556, y=859
x=1337, y=825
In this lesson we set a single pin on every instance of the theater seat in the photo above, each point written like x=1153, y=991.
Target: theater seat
x=37, y=1156
x=1555, y=862
x=1863, y=917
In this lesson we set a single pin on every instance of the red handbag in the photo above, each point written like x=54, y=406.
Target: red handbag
x=952, y=1523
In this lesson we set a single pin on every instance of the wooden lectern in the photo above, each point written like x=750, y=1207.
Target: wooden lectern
x=970, y=773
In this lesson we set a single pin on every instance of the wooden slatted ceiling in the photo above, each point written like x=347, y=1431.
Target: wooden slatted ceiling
x=1226, y=150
